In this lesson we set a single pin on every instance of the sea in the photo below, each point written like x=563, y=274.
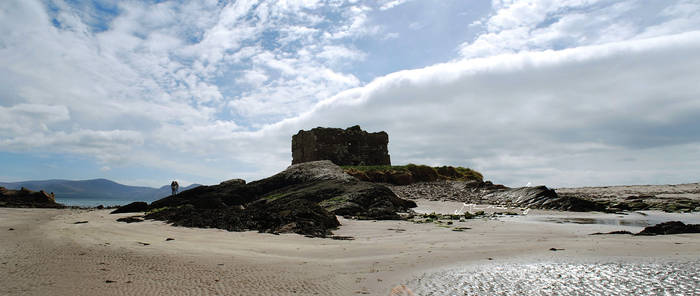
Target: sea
x=86, y=202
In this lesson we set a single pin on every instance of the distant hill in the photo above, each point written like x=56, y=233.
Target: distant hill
x=101, y=189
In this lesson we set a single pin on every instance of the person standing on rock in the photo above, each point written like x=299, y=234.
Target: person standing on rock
x=174, y=186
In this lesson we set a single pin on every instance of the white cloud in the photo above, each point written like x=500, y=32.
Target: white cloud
x=333, y=53
x=157, y=68
x=546, y=24
x=24, y=118
x=391, y=4
x=254, y=77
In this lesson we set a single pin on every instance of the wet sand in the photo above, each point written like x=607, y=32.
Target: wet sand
x=690, y=190
x=47, y=253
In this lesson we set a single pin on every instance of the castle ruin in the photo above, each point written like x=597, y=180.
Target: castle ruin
x=351, y=146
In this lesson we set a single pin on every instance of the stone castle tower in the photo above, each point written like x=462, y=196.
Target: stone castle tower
x=351, y=146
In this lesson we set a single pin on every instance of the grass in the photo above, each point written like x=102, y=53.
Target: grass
x=380, y=168
x=333, y=201
x=422, y=172
x=273, y=196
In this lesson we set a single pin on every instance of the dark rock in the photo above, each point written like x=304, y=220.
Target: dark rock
x=555, y=249
x=100, y=207
x=672, y=227
x=351, y=146
x=10, y=229
x=233, y=181
x=169, y=239
x=25, y=198
x=80, y=222
x=613, y=232
x=131, y=219
x=339, y=237
x=134, y=207
x=303, y=199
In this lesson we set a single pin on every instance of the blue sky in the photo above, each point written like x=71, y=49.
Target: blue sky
x=563, y=93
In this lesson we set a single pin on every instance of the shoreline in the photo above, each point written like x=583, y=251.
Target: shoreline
x=46, y=245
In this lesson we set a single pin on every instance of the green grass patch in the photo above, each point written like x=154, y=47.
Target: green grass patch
x=273, y=196
x=333, y=201
x=381, y=168
x=156, y=210
x=420, y=172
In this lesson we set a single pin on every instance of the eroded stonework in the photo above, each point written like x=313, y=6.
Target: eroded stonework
x=351, y=146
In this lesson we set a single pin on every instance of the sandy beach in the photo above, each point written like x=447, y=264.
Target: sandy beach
x=44, y=252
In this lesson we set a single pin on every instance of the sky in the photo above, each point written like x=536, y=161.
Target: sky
x=555, y=92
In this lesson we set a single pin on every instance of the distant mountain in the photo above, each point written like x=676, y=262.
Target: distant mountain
x=96, y=189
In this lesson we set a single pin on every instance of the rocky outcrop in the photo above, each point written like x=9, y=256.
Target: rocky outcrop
x=303, y=199
x=351, y=146
x=668, y=198
x=537, y=197
x=541, y=197
x=25, y=198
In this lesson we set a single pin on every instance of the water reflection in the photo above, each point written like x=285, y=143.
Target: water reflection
x=669, y=278
x=633, y=219
x=621, y=222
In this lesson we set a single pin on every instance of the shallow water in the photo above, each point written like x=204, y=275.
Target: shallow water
x=621, y=278
x=632, y=219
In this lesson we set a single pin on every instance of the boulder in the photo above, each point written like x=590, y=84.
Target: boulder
x=131, y=219
x=134, y=207
x=233, y=181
